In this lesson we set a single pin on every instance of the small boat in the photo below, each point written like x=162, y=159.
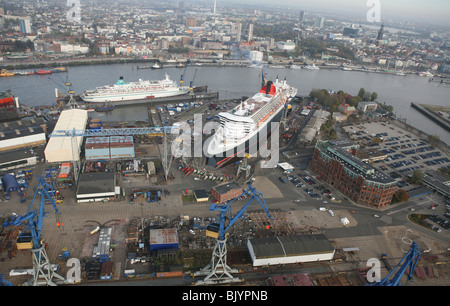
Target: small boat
x=312, y=67
x=59, y=69
x=295, y=67
x=41, y=72
x=23, y=73
x=104, y=108
x=426, y=74
x=156, y=66
x=144, y=67
x=5, y=73
x=180, y=65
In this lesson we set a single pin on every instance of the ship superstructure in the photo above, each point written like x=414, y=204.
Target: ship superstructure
x=249, y=119
x=126, y=91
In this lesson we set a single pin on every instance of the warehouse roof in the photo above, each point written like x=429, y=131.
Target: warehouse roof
x=286, y=246
x=96, y=183
x=224, y=188
x=11, y=156
x=59, y=149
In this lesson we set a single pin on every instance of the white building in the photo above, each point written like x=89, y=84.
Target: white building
x=286, y=45
x=256, y=56
x=367, y=106
x=72, y=48
x=289, y=249
x=25, y=25
x=59, y=149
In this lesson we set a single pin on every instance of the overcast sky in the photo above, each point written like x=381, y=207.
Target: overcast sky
x=429, y=10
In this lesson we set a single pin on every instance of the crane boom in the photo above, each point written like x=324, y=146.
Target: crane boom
x=410, y=261
x=217, y=271
x=226, y=209
x=42, y=269
x=115, y=132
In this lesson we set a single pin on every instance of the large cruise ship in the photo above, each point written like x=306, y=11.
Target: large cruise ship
x=247, y=121
x=123, y=91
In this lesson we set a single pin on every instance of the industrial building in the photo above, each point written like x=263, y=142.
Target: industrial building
x=113, y=147
x=226, y=192
x=313, y=127
x=287, y=167
x=23, y=133
x=335, y=162
x=60, y=149
x=437, y=182
x=96, y=186
x=289, y=249
x=201, y=195
x=17, y=159
x=163, y=239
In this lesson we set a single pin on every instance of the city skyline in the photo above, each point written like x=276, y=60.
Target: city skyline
x=435, y=11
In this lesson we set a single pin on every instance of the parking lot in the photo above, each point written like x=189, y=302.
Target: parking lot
x=404, y=151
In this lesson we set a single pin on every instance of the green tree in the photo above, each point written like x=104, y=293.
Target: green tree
x=373, y=96
x=361, y=93
x=400, y=196
x=417, y=177
x=434, y=139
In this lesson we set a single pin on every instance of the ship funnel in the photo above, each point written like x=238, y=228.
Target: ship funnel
x=268, y=87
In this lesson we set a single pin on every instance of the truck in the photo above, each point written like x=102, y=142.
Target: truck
x=385, y=261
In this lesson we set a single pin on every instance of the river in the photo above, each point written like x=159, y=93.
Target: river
x=235, y=82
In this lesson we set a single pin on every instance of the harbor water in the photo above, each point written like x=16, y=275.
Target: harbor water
x=235, y=82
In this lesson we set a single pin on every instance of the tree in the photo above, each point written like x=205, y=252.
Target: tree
x=400, y=196
x=434, y=139
x=373, y=96
x=362, y=93
x=375, y=140
x=417, y=177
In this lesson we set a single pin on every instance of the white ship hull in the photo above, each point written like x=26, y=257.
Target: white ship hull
x=221, y=151
x=131, y=96
x=122, y=91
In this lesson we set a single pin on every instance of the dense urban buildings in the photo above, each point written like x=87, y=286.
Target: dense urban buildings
x=335, y=162
x=216, y=31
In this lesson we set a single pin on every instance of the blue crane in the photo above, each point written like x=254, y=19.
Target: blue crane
x=217, y=271
x=32, y=233
x=191, y=84
x=4, y=282
x=410, y=261
x=182, y=76
x=116, y=132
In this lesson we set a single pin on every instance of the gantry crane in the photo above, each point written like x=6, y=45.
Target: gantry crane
x=410, y=261
x=218, y=271
x=43, y=272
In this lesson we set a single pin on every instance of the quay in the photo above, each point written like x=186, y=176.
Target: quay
x=441, y=121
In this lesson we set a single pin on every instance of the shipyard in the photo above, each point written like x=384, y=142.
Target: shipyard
x=223, y=150
x=130, y=211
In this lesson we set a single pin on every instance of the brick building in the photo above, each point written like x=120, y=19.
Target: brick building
x=226, y=192
x=335, y=162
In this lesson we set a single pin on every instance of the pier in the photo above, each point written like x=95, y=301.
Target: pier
x=439, y=120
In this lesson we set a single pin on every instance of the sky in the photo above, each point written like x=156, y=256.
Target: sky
x=436, y=11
